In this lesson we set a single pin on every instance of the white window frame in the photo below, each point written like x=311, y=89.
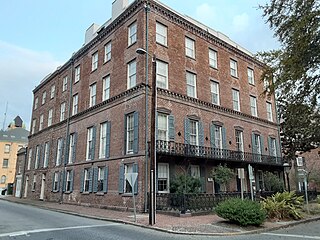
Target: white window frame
x=132, y=33
x=257, y=143
x=236, y=100
x=93, y=92
x=161, y=34
x=250, y=76
x=239, y=140
x=68, y=181
x=7, y=148
x=94, y=61
x=164, y=176
x=5, y=163
x=29, y=159
x=106, y=88
x=130, y=133
x=77, y=73
x=194, y=132
x=213, y=58
x=215, y=92
x=52, y=91
x=44, y=96
x=59, y=152
x=107, y=52
x=34, y=182
x=273, y=149
x=269, y=111
x=56, y=182
x=34, y=123
x=36, y=101
x=253, y=106
x=36, y=162
x=300, y=161
x=46, y=155
x=127, y=188
x=162, y=74
x=103, y=140
x=65, y=84
x=41, y=122
x=50, y=115
x=89, y=143
x=3, y=179
x=191, y=84
x=195, y=171
x=86, y=180
x=233, y=68
x=71, y=147
x=62, y=111
x=75, y=101
x=101, y=178
x=132, y=74
x=163, y=127
x=218, y=137
x=190, y=47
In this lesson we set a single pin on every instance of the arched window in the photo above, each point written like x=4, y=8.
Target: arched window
x=3, y=179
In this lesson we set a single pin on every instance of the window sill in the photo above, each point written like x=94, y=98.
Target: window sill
x=105, y=62
x=92, y=71
x=55, y=191
x=214, y=68
x=85, y=193
x=67, y=192
x=191, y=58
x=100, y=193
x=127, y=194
x=129, y=46
x=236, y=77
x=162, y=45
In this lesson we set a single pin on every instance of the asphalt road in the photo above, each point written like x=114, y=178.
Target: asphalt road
x=26, y=222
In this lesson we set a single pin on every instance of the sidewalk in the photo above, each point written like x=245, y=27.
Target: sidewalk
x=207, y=224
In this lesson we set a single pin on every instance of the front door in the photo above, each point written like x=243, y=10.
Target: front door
x=43, y=184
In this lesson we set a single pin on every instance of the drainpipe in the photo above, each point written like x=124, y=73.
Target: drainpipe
x=23, y=173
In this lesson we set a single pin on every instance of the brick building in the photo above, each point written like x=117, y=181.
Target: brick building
x=89, y=116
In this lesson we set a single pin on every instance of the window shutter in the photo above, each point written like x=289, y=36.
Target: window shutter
x=93, y=142
x=261, y=144
x=135, y=170
x=61, y=153
x=64, y=180
x=95, y=179
x=186, y=131
x=269, y=145
x=52, y=182
x=121, y=179
x=48, y=154
x=108, y=134
x=39, y=156
x=201, y=134
x=90, y=179
x=43, y=149
x=74, y=151
x=81, y=181
x=71, y=178
x=171, y=128
x=136, y=132
x=224, y=138
x=212, y=135
x=56, y=154
x=125, y=135
x=254, y=150
x=105, y=180
x=59, y=178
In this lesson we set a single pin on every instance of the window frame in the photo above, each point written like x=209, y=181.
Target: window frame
x=130, y=133
x=218, y=138
x=62, y=111
x=89, y=144
x=71, y=147
x=239, y=140
x=107, y=51
x=65, y=84
x=7, y=148
x=36, y=102
x=253, y=106
x=77, y=73
x=46, y=155
x=100, y=179
x=190, y=87
x=37, y=157
x=52, y=91
x=103, y=140
x=190, y=47
x=162, y=75
x=165, y=129
x=195, y=133
x=233, y=68
x=132, y=33
x=41, y=119
x=163, y=176
x=106, y=88
x=75, y=104
x=235, y=101
x=132, y=76
x=92, y=95
x=50, y=116
x=269, y=111
x=250, y=74
x=94, y=61
x=161, y=34
x=55, y=187
x=5, y=160
x=44, y=96
x=59, y=152
x=215, y=93
x=213, y=60
x=68, y=186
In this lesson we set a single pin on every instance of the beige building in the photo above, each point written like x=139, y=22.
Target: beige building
x=11, y=140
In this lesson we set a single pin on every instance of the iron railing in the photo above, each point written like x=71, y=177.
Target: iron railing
x=187, y=150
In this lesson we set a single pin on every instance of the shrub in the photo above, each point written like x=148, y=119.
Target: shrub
x=185, y=184
x=286, y=205
x=273, y=182
x=242, y=212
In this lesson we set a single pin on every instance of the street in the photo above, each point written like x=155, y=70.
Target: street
x=26, y=222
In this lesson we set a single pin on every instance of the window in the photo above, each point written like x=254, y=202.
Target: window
x=29, y=159
x=300, y=161
x=239, y=140
x=94, y=63
x=50, y=113
x=106, y=88
x=101, y=172
x=44, y=96
x=56, y=180
x=218, y=137
x=233, y=68
x=194, y=132
x=3, y=179
x=132, y=34
x=215, y=98
x=41, y=122
x=59, y=151
x=93, y=89
x=250, y=76
x=273, y=147
x=5, y=163
x=90, y=143
x=34, y=183
x=75, y=104
x=256, y=144
x=191, y=85
x=77, y=74
x=52, y=91
x=34, y=123
x=162, y=74
x=163, y=178
x=7, y=148
x=161, y=34
x=86, y=182
x=103, y=140
x=236, y=100
x=132, y=74
x=72, y=146
x=162, y=127
x=130, y=133
x=107, y=52
x=69, y=181
x=195, y=171
x=253, y=106
x=36, y=101
x=190, y=50
x=37, y=157
x=65, y=84
x=269, y=112
x=213, y=58
x=62, y=111
x=128, y=168
x=46, y=155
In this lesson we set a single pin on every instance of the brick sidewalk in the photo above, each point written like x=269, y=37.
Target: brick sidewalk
x=205, y=224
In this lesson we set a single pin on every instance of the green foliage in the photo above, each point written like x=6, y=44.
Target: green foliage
x=286, y=205
x=185, y=184
x=273, y=182
x=222, y=174
x=242, y=212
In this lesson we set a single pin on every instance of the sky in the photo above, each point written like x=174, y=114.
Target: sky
x=37, y=36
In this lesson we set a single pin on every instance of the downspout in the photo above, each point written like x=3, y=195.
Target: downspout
x=23, y=173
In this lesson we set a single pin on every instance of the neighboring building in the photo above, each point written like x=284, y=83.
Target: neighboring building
x=20, y=168
x=88, y=118
x=11, y=141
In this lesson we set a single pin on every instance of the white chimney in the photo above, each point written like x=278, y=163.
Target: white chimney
x=91, y=32
x=118, y=6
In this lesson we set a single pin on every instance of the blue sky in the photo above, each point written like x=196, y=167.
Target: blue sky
x=37, y=36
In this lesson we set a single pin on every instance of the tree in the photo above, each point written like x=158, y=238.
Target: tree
x=185, y=184
x=272, y=182
x=222, y=175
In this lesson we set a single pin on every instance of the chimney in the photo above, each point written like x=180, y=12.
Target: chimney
x=118, y=6
x=91, y=32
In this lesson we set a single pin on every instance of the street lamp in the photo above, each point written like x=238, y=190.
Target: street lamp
x=286, y=168
x=153, y=152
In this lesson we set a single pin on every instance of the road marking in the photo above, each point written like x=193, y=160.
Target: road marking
x=292, y=235
x=20, y=233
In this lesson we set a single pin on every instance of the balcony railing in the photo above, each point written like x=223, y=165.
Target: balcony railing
x=187, y=150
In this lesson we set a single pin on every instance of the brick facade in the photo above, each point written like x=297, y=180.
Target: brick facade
x=172, y=101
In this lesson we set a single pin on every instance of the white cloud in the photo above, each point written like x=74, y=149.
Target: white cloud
x=205, y=13
x=241, y=22
x=21, y=70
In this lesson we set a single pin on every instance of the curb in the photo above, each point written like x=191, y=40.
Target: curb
x=162, y=229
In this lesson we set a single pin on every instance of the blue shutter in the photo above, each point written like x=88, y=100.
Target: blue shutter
x=121, y=179
x=135, y=170
x=269, y=145
x=212, y=135
x=262, y=144
x=59, y=178
x=90, y=173
x=52, y=182
x=95, y=179
x=171, y=128
x=136, y=132
x=224, y=138
x=64, y=180
x=186, y=131
x=105, y=180
x=39, y=156
x=81, y=181
x=74, y=151
x=94, y=129
x=254, y=150
x=201, y=134
x=56, y=153
x=42, y=155
x=125, y=135
x=108, y=134
x=71, y=177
